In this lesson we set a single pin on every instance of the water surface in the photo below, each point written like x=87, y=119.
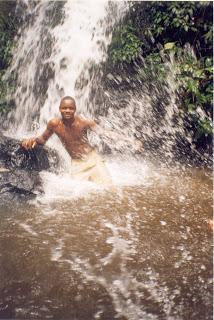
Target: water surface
x=142, y=251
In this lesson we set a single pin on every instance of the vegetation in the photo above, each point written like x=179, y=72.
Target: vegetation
x=154, y=33
x=8, y=30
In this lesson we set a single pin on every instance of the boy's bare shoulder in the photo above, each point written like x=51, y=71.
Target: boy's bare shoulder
x=86, y=122
x=53, y=123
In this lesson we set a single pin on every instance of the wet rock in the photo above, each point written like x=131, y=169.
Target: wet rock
x=19, y=184
x=19, y=169
x=14, y=156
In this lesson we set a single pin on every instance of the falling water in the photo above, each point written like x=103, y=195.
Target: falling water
x=50, y=60
x=80, y=251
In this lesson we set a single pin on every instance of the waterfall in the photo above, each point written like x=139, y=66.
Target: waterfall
x=61, y=50
x=48, y=60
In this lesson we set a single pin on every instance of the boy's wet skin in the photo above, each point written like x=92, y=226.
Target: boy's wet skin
x=71, y=130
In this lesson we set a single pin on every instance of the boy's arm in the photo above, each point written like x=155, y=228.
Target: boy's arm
x=32, y=142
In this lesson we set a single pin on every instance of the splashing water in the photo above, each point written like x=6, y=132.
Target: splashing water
x=64, y=59
x=142, y=253
x=137, y=253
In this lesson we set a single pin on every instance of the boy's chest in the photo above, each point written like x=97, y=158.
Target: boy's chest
x=73, y=133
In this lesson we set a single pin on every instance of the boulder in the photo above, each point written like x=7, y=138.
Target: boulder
x=19, y=184
x=19, y=169
x=13, y=155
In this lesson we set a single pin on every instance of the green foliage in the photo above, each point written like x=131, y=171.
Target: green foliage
x=195, y=80
x=182, y=21
x=160, y=30
x=177, y=16
x=7, y=33
x=126, y=46
x=154, y=68
x=169, y=45
x=5, y=49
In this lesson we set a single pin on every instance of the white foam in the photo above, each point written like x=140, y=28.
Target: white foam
x=29, y=229
x=124, y=173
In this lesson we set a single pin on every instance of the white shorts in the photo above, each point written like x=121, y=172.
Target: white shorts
x=91, y=168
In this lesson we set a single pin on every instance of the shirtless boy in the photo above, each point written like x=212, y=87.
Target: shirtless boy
x=72, y=131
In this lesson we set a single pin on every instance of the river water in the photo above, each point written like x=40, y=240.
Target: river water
x=139, y=251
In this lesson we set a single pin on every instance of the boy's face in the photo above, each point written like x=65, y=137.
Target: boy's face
x=67, y=109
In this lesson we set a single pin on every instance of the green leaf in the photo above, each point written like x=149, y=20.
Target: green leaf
x=208, y=62
x=191, y=108
x=169, y=45
x=206, y=126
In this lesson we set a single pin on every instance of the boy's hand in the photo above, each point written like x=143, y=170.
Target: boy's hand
x=29, y=143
